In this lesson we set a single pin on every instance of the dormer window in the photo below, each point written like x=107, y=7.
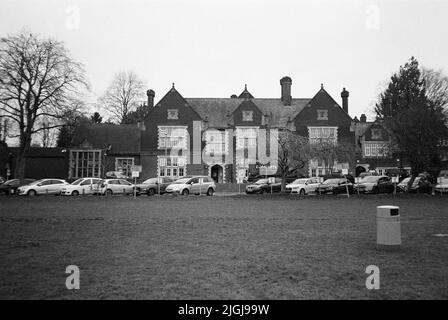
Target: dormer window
x=173, y=114
x=377, y=134
x=322, y=114
x=248, y=115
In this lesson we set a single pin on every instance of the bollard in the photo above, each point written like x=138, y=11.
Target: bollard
x=388, y=226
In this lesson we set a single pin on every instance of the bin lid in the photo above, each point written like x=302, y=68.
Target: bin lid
x=387, y=211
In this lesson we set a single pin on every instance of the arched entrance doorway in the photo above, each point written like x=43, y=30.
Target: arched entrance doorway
x=216, y=172
x=359, y=170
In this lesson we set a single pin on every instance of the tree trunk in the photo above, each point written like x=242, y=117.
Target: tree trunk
x=283, y=182
x=19, y=170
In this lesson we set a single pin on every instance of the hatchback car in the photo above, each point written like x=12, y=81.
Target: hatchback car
x=113, y=186
x=154, y=186
x=303, y=186
x=10, y=187
x=375, y=184
x=192, y=185
x=265, y=186
x=335, y=186
x=420, y=185
x=81, y=186
x=43, y=186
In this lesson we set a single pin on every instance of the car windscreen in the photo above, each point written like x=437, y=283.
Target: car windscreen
x=150, y=181
x=406, y=180
x=300, y=181
x=332, y=181
x=262, y=181
x=36, y=182
x=77, y=182
x=370, y=179
x=9, y=181
x=182, y=181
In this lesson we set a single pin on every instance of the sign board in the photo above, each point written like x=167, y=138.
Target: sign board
x=320, y=179
x=239, y=179
x=358, y=179
x=271, y=180
x=135, y=174
x=395, y=179
x=440, y=180
x=138, y=168
x=345, y=172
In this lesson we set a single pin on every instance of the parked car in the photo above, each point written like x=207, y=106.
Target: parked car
x=80, y=186
x=192, y=185
x=113, y=186
x=442, y=186
x=375, y=184
x=303, y=186
x=116, y=175
x=335, y=186
x=42, y=186
x=11, y=186
x=154, y=185
x=420, y=185
x=264, y=186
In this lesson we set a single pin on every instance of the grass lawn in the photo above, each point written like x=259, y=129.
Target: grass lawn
x=240, y=247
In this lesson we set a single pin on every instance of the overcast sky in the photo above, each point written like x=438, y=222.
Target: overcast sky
x=212, y=48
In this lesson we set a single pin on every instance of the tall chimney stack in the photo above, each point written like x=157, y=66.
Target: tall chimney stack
x=286, y=83
x=150, y=93
x=344, y=96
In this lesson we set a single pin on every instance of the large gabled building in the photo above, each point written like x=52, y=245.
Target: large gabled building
x=165, y=143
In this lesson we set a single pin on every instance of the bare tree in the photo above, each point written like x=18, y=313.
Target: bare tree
x=123, y=96
x=436, y=88
x=293, y=153
x=38, y=79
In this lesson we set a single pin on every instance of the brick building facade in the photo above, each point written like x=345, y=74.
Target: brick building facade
x=165, y=143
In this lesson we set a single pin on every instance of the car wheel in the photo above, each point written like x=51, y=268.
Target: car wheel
x=302, y=192
x=151, y=192
x=32, y=193
x=210, y=192
x=263, y=191
x=109, y=192
x=185, y=192
x=375, y=190
x=75, y=193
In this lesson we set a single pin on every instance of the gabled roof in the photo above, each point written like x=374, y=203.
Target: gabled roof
x=219, y=110
x=323, y=92
x=245, y=94
x=124, y=138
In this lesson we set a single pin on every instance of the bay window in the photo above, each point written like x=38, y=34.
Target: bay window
x=169, y=166
x=172, y=137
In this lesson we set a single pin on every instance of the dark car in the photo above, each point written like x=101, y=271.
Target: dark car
x=421, y=185
x=10, y=186
x=154, y=186
x=375, y=184
x=264, y=186
x=335, y=186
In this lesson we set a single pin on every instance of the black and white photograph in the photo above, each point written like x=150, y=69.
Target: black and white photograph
x=223, y=155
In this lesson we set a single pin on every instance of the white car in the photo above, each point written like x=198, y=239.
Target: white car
x=43, y=186
x=303, y=186
x=192, y=185
x=442, y=185
x=81, y=186
x=114, y=186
